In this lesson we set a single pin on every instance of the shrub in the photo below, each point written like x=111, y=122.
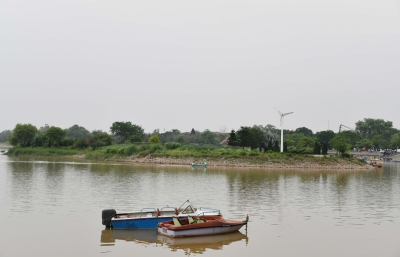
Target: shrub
x=100, y=140
x=81, y=143
x=254, y=153
x=135, y=139
x=154, y=139
x=155, y=147
x=112, y=150
x=242, y=152
x=67, y=142
x=130, y=150
x=172, y=145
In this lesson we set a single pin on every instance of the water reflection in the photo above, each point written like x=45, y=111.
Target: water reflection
x=189, y=245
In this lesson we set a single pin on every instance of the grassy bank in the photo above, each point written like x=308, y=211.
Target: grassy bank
x=184, y=155
x=38, y=151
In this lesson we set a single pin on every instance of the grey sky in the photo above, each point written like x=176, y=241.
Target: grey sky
x=199, y=64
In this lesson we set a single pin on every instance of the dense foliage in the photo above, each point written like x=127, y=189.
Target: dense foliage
x=23, y=135
x=4, y=135
x=369, y=134
x=124, y=130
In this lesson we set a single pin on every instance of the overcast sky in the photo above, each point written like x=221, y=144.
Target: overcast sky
x=199, y=64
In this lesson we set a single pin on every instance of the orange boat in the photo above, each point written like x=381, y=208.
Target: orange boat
x=199, y=226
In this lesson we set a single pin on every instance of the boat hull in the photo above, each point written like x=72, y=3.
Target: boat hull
x=143, y=223
x=199, y=231
x=199, y=226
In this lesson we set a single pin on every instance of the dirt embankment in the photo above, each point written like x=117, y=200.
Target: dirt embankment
x=314, y=163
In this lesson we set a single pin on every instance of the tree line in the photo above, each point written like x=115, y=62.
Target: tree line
x=368, y=134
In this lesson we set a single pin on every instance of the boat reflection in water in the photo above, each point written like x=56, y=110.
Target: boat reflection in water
x=197, y=244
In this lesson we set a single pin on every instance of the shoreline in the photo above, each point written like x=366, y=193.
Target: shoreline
x=234, y=163
x=228, y=159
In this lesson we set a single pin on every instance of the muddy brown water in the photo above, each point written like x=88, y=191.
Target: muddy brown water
x=52, y=207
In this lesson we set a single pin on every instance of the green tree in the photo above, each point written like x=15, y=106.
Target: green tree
x=324, y=136
x=257, y=137
x=370, y=127
x=77, y=132
x=55, y=135
x=135, y=139
x=325, y=149
x=97, y=132
x=305, y=131
x=317, y=148
x=154, y=139
x=81, y=143
x=100, y=140
x=232, y=140
x=380, y=141
x=340, y=143
x=23, y=135
x=305, y=144
x=269, y=145
x=244, y=137
x=207, y=137
x=285, y=145
x=41, y=139
x=364, y=143
x=4, y=135
x=276, y=146
x=352, y=137
x=123, y=130
x=395, y=141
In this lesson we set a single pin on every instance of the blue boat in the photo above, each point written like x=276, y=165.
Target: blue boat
x=148, y=218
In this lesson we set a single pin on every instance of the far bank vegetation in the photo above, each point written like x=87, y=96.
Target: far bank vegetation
x=259, y=143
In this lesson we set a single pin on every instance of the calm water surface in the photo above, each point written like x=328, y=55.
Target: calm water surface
x=52, y=207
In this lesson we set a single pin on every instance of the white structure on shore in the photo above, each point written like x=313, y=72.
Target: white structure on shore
x=282, y=115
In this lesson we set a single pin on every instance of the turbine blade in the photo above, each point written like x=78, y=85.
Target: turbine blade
x=287, y=113
x=278, y=111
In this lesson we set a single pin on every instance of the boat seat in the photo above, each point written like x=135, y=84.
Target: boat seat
x=191, y=220
x=176, y=221
x=200, y=220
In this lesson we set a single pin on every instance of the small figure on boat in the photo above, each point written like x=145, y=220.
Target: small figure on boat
x=204, y=164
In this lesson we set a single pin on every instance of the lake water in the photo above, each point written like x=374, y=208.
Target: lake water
x=52, y=207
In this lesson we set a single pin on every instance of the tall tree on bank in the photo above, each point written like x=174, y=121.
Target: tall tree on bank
x=244, y=137
x=23, y=135
x=123, y=130
x=78, y=132
x=285, y=149
x=55, y=135
x=325, y=149
x=324, y=136
x=305, y=131
x=340, y=143
x=269, y=146
x=370, y=127
x=276, y=146
x=232, y=140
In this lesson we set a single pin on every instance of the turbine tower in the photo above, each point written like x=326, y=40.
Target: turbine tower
x=282, y=115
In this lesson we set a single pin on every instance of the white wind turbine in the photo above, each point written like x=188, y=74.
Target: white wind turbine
x=282, y=115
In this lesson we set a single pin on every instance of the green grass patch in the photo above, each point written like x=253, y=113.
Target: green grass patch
x=44, y=151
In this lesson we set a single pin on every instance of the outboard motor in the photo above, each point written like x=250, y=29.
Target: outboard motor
x=107, y=215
